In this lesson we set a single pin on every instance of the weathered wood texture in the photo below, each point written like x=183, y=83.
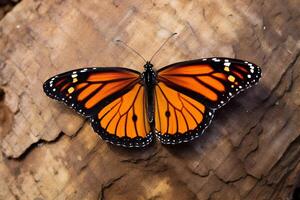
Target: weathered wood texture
x=251, y=150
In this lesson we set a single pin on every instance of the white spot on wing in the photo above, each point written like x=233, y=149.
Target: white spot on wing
x=227, y=64
x=216, y=59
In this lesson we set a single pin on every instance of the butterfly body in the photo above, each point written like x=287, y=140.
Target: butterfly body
x=175, y=103
x=149, y=81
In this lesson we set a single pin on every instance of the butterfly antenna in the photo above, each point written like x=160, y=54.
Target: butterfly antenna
x=132, y=49
x=162, y=45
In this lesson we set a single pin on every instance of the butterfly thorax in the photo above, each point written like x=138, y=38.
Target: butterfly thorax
x=149, y=75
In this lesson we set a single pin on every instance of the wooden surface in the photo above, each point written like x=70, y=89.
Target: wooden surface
x=251, y=150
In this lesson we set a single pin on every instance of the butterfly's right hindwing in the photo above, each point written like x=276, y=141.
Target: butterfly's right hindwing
x=188, y=93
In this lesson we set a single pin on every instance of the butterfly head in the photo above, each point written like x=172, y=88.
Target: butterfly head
x=148, y=65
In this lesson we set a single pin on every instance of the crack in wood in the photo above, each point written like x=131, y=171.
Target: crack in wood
x=108, y=185
x=282, y=77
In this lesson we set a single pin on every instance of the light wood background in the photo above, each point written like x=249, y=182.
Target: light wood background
x=251, y=150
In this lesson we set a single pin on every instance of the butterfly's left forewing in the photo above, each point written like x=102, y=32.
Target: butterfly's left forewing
x=187, y=94
x=112, y=98
x=86, y=90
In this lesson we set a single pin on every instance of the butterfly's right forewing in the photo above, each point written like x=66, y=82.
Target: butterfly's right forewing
x=187, y=93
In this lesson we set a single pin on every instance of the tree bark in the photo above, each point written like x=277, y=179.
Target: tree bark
x=251, y=150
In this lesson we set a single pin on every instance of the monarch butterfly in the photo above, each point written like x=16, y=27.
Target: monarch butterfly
x=175, y=103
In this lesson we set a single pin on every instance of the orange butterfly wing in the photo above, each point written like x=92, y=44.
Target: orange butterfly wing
x=188, y=93
x=178, y=117
x=112, y=98
x=124, y=121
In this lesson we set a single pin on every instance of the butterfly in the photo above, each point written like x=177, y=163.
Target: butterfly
x=175, y=103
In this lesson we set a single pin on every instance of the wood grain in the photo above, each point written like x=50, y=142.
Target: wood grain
x=251, y=150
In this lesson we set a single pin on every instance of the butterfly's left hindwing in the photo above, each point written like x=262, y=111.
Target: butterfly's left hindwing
x=124, y=121
x=187, y=93
x=112, y=98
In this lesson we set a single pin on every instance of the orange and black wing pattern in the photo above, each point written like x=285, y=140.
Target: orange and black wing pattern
x=178, y=117
x=188, y=93
x=112, y=98
x=124, y=121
